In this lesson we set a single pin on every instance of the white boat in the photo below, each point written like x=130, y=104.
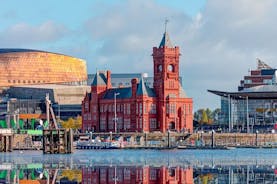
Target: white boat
x=85, y=142
x=230, y=147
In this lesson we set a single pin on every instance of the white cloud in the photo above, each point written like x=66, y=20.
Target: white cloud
x=232, y=34
x=129, y=31
x=218, y=46
x=23, y=34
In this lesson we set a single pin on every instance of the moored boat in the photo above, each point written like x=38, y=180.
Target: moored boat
x=87, y=143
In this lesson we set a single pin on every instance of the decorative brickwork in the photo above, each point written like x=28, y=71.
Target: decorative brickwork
x=140, y=108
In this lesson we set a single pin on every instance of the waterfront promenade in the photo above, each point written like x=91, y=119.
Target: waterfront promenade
x=164, y=140
x=198, y=140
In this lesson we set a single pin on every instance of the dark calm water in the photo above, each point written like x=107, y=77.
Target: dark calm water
x=141, y=166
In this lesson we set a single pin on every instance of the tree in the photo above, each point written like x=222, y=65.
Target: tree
x=216, y=114
x=198, y=115
x=71, y=175
x=209, y=113
x=204, y=118
x=74, y=123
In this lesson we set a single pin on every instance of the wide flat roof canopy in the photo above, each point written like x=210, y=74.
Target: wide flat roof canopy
x=249, y=95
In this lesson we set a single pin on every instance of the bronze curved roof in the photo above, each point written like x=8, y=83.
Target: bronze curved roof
x=19, y=50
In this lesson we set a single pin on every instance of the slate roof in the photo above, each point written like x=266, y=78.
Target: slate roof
x=100, y=79
x=125, y=93
x=143, y=89
x=166, y=41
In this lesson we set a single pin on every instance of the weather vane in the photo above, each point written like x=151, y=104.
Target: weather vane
x=165, y=24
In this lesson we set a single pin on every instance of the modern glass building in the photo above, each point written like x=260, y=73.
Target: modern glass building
x=254, y=107
x=250, y=110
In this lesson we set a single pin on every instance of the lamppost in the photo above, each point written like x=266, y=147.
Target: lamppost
x=229, y=112
x=115, y=117
x=115, y=178
x=247, y=115
x=168, y=138
x=256, y=141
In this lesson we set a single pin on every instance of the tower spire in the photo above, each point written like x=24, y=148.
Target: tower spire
x=165, y=24
x=165, y=42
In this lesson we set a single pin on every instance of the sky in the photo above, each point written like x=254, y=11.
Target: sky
x=219, y=40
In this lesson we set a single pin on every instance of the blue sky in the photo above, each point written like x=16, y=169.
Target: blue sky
x=219, y=40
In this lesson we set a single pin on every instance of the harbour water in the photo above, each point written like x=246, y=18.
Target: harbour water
x=141, y=166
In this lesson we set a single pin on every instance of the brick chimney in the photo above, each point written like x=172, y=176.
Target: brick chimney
x=109, y=80
x=134, y=87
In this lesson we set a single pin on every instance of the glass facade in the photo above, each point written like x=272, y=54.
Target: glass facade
x=262, y=113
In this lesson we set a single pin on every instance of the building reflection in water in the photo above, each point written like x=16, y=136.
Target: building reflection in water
x=141, y=167
x=235, y=175
x=137, y=175
x=120, y=174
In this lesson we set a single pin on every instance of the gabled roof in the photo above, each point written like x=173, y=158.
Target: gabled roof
x=144, y=90
x=100, y=79
x=165, y=41
x=123, y=93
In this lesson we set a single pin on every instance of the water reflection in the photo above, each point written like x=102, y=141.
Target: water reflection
x=141, y=174
x=141, y=167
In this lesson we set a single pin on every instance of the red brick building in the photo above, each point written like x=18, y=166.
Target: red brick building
x=139, y=107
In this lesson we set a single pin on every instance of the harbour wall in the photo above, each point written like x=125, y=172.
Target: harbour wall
x=232, y=139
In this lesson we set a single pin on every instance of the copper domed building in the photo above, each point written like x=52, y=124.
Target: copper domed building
x=26, y=66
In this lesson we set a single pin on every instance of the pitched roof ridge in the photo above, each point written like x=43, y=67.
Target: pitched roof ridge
x=99, y=79
x=141, y=90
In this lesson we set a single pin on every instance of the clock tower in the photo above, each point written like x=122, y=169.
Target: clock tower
x=166, y=69
x=166, y=81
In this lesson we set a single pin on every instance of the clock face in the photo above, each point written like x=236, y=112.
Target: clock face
x=160, y=67
x=170, y=68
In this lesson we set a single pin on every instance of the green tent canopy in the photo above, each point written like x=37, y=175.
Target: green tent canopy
x=13, y=124
x=33, y=177
x=21, y=124
x=21, y=174
x=13, y=173
x=33, y=121
x=3, y=124
x=3, y=174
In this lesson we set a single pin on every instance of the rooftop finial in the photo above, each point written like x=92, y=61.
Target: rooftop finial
x=165, y=40
x=165, y=24
x=262, y=65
